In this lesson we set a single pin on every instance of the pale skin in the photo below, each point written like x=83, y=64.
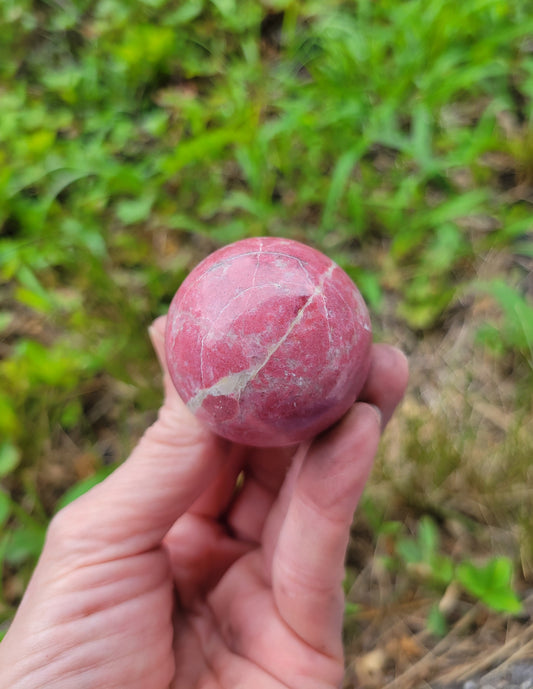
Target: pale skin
x=203, y=564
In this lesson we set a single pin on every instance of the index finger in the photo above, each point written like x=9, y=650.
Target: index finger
x=307, y=559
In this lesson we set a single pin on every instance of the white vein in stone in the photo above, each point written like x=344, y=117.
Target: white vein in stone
x=234, y=384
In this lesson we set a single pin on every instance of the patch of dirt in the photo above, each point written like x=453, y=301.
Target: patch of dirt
x=459, y=450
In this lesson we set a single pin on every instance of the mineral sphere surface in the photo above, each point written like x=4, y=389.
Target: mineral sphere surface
x=268, y=342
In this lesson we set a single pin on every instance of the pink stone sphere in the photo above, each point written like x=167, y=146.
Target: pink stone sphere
x=268, y=342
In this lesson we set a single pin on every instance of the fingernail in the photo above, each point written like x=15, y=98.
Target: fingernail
x=155, y=335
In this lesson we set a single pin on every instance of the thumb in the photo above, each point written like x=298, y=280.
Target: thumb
x=156, y=332
x=173, y=463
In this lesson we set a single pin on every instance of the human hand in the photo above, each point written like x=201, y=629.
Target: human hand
x=201, y=563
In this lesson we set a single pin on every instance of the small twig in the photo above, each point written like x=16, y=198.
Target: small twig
x=420, y=667
x=513, y=658
x=509, y=649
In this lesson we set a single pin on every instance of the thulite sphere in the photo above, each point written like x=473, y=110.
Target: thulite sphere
x=268, y=342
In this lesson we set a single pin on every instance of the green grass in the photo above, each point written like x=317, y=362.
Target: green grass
x=137, y=135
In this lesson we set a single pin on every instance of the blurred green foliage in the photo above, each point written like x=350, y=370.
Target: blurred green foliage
x=424, y=558
x=136, y=135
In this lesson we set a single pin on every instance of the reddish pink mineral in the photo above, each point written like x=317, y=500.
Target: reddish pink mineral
x=268, y=342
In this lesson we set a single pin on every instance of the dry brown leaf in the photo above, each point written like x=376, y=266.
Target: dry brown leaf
x=370, y=668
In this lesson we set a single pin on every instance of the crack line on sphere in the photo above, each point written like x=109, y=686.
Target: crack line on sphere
x=227, y=261
x=235, y=383
x=219, y=315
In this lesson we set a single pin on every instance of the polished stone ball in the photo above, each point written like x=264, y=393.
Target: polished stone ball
x=268, y=342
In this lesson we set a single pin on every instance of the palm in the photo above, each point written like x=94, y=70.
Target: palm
x=203, y=608
x=242, y=641
x=229, y=618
